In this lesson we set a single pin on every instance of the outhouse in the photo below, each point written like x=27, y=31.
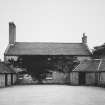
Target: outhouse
x=7, y=75
x=86, y=73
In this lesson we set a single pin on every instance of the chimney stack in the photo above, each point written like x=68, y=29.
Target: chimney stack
x=84, y=39
x=12, y=33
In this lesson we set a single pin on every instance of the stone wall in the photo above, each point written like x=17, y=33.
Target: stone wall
x=90, y=78
x=58, y=77
x=2, y=80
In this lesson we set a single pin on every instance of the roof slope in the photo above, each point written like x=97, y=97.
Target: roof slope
x=5, y=68
x=88, y=65
x=39, y=48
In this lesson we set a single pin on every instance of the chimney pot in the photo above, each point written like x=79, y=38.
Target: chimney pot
x=84, y=39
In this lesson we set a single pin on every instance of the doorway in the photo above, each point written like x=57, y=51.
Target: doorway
x=82, y=78
x=6, y=79
x=11, y=79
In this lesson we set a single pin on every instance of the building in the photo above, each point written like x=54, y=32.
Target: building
x=98, y=52
x=85, y=73
x=7, y=75
x=89, y=72
x=16, y=49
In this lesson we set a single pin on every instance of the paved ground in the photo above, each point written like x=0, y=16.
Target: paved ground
x=52, y=95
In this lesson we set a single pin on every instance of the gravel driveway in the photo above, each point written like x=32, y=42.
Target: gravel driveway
x=52, y=95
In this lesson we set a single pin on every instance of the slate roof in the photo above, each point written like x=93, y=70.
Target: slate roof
x=5, y=68
x=89, y=65
x=45, y=48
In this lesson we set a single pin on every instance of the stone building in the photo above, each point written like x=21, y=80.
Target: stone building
x=8, y=76
x=99, y=52
x=89, y=72
x=16, y=49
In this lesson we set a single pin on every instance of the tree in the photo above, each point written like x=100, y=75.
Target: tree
x=63, y=63
x=35, y=65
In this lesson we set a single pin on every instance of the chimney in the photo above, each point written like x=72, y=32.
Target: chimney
x=12, y=33
x=84, y=39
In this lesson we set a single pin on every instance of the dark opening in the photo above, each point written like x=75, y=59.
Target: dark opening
x=82, y=78
x=6, y=80
x=11, y=79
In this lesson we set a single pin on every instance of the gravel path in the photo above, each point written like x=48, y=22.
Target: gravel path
x=52, y=95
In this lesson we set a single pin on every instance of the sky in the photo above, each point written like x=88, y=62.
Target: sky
x=53, y=21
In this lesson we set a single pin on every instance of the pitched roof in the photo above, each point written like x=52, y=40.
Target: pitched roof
x=45, y=48
x=5, y=68
x=88, y=65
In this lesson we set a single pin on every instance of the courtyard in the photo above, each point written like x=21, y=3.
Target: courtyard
x=52, y=95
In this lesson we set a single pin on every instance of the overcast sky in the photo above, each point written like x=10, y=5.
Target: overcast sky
x=53, y=21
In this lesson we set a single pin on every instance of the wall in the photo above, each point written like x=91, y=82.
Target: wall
x=90, y=78
x=6, y=58
x=82, y=58
x=8, y=79
x=2, y=80
x=14, y=78
x=101, y=80
x=58, y=77
x=74, y=78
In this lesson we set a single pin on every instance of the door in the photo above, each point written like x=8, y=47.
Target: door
x=82, y=78
x=6, y=79
x=11, y=79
